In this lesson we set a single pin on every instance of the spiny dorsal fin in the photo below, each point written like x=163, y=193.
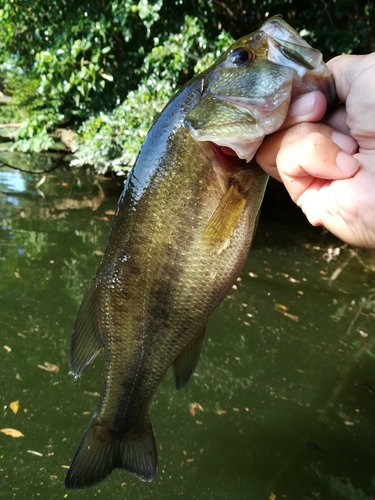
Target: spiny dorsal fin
x=100, y=451
x=223, y=222
x=85, y=340
x=184, y=366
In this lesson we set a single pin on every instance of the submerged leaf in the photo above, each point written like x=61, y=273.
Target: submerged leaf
x=49, y=367
x=12, y=432
x=14, y=406
x=193, y=407
x=33, y=452
x=220, y=412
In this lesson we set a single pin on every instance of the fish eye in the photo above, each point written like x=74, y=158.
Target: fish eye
x=241, y=56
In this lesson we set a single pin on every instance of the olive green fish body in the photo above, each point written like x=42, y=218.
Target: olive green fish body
x=180, y=236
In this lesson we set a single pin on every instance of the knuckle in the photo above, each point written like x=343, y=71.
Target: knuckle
x=313, y=141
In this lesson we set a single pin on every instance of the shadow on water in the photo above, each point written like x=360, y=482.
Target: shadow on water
x=283, y=402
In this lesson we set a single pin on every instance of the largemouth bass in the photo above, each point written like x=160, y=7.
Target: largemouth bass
x=180, y=236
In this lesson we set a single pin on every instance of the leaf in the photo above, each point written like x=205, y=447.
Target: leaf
x=107, y=77
x=291, y=316
x=14, y=406
x=282, y=311
x=33, y=452
x=49, y=367
x=282, y=307
x=193, y=407
x=220, y=412
x=12, y=432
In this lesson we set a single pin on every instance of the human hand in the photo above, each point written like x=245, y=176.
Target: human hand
x=329, y=168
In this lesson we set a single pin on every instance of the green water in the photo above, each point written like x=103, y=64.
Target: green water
x=283, y=402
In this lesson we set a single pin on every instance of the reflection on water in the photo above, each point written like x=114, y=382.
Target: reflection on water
x=13, y=181
x=283, y=402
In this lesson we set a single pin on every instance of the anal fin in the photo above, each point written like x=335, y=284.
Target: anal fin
x=184, y=366
x=85, y=340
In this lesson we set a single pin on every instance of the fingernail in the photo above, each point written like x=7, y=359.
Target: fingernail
x=346, y=142
x=304, y=105
x=346, y=163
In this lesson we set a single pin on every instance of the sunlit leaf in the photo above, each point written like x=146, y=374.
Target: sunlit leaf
x=107, y=77
x=12, y=432
x=14, y=406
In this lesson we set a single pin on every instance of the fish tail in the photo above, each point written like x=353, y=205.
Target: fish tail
x=101, y=451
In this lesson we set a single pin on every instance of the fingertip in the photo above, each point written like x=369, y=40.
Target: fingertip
x=307, y=107
x=345, y=142
x=304, y=105
x=346, y=163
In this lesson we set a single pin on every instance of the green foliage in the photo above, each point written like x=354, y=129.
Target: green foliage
x=111, y=141
x=107, y=68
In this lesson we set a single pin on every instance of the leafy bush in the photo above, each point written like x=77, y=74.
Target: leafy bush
x=111, y=141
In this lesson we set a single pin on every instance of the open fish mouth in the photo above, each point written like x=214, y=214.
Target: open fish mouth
x=229, y=157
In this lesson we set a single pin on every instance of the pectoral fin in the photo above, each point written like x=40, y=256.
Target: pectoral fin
x=223, y=222
x=85, y=340
x=184, y=366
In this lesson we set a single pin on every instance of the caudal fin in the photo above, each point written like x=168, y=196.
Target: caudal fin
x=101, y=451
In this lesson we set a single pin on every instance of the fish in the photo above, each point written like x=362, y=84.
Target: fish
x=180, y=236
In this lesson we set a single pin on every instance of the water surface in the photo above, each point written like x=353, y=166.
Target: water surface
x=283, y=402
